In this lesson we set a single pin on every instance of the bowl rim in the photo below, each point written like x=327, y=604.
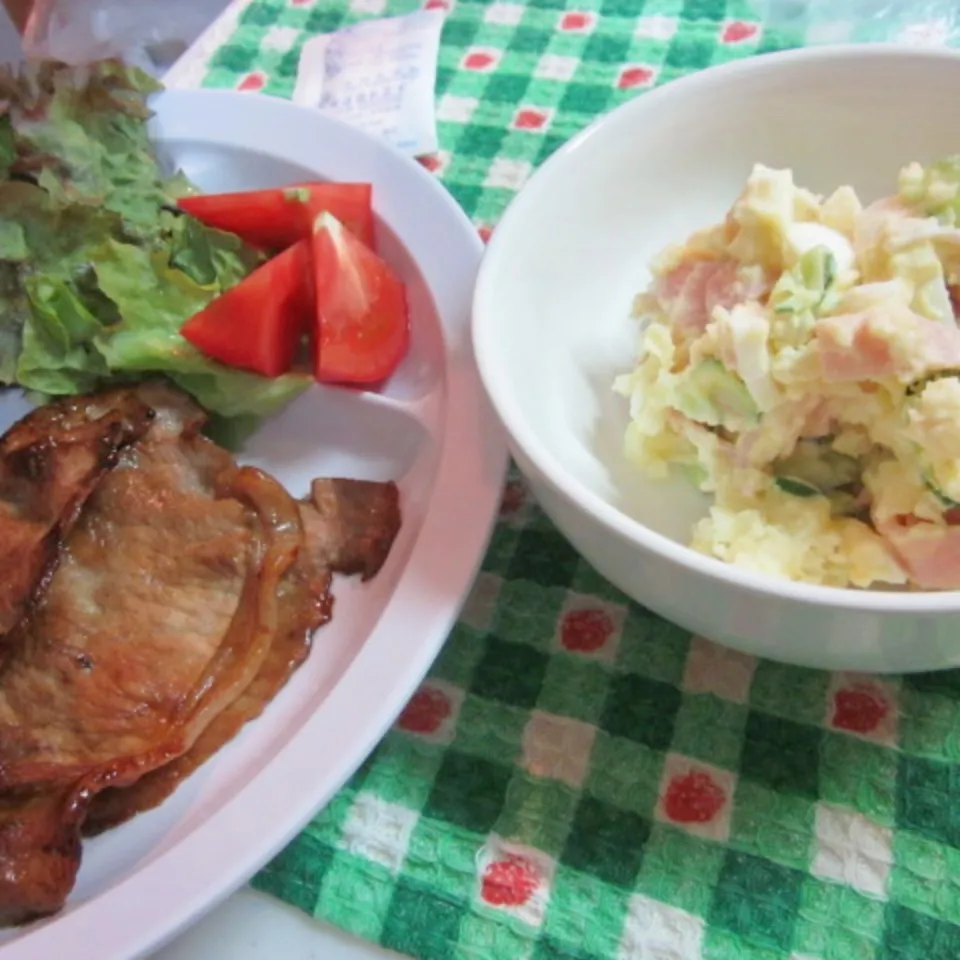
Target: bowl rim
x=524, y=436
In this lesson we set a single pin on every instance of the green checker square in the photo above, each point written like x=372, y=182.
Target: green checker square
x=692, y=48
x=607, y=47
x=574, y=686
x=859, y=774
x=442, y=857
x=646, y=50
x=459, y=655
x=625, y=774
x=628, y=10
x=944, y=683
x=710, y=729
x=327, y=825
x=528, y=613
x=421, y=924
x=930, y=723
x=511, y=673
x=928, y=799
x=522, y=145
x=652, y=646
x=587, y=580
x=756, y=900
x=567, y=44
x=505, y=88
x=468, y=792
x=530, y=41
x=261, y=15
x=910, y=935
x=296, y=873
x=713, y=10
x=487, y=933
x=641, y=709
x=544, y=93
x=720, y=944
x=538, y=813
x=403, y=769
x=727, y=52
x=494, y=113
x=680, y=869
x=781, y=754
x=778, y=826
x=236, y=56
x=459, y=31
x=663, y=8
x=593, y=930
x=793, y=692
x=484, y=140
x=504, y=540
x=544, y=557
x=491, y=204
x=326, y=18
x=488, y=729
x=606, y=841
x=355, y=895
x=278, y=85
x=219, y=78
x=835, y=922
x=586, y=99
x=925, y=876
x=466, y=83
x=522, y=63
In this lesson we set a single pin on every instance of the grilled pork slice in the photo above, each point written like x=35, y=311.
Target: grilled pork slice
x=350, y=526
x=161, y=612
x=50, y=462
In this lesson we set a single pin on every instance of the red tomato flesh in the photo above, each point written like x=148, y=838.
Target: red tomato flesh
x=258, y=324
x=363, y=328
x=277, y=218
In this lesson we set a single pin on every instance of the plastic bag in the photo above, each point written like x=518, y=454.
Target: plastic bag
x=151, y=34
x=917, y=22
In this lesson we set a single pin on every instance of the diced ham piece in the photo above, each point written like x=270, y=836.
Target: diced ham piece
x=930, y=553
x=884, y=342
x=692, y=291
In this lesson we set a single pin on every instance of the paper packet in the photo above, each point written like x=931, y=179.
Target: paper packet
x=378, y=75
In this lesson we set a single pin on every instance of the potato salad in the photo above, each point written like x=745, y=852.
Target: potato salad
x=800, y=363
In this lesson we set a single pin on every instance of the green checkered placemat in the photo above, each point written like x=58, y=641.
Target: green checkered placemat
x=578, y=778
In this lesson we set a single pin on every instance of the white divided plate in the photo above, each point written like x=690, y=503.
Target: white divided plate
x=431, y=430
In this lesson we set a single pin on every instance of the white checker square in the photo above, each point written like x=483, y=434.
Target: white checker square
x=589, y=627
x=279, y=39
x=482, y=601
x=552, y=66
x=507, y=174
x=456, y=109
x=504, y=14
x=711, y=668
x=378, y=830
x=557, y=748
x=655, y=931
x=656, y=27
x=852, y=850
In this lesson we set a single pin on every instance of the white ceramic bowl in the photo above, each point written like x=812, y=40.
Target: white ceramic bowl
x=552, y=328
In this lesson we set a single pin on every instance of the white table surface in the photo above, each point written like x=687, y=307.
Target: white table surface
x=251, y=925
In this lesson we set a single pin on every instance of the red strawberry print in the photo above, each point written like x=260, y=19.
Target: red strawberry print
x=479, y=60
x=694, y=797
x=530, y=119
x=485, y=233
x=514, y=495
x=252, y=82
x=510, y=882
x=635, y=77
x=737, y=31
x=425, y=712
x=431, y=162
x=575, y=21
x=436, y=5
x=859, y=709
x=586, y=631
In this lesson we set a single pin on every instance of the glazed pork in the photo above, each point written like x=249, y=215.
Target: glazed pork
x=179, y=603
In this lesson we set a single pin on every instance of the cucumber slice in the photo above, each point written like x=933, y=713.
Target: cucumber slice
x=797, y=487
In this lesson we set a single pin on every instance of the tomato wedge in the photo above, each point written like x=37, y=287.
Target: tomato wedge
x=258, y=324
x=363, y=327
x=274, y=219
